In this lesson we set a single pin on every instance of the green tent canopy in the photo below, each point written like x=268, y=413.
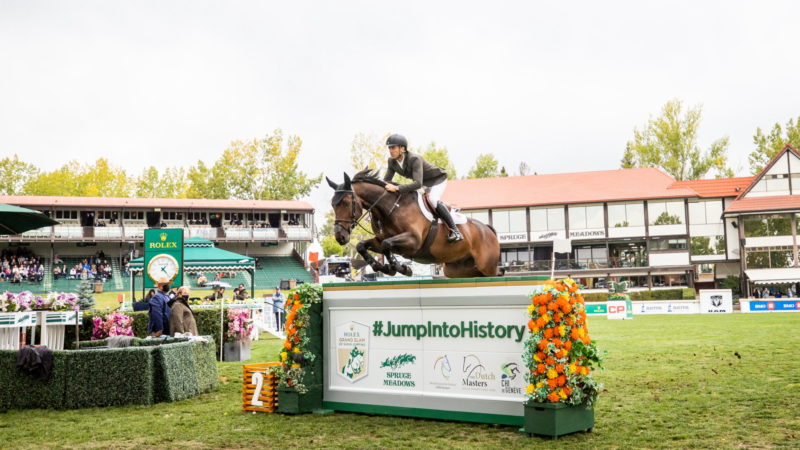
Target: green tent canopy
x=200, y=255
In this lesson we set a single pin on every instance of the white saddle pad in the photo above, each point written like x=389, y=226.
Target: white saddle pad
x=458, y=218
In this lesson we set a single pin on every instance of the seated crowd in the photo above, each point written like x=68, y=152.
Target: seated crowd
x=19, y=265
x=96, y=267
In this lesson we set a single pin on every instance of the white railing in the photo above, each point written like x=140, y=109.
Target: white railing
x=68, y=232
x=40, y=233
x=134, y=232
x=265, y=233
x=237, y=233
x=205, y=233
x=108, y=232
x=297, y=233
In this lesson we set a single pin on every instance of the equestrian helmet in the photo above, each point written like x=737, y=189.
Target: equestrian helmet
x=398, y=140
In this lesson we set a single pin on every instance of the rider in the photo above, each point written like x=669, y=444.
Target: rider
x=421, y=173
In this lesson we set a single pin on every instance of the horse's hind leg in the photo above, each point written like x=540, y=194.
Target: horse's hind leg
x=363, y=248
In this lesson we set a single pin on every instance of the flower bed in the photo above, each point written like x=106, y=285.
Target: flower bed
x=559, y=353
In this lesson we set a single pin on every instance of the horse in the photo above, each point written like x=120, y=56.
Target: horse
x=400, y=227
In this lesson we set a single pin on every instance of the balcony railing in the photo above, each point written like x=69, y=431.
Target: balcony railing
x=297, y=233
x=108, y=232
x=574, y=264
x=67, y=232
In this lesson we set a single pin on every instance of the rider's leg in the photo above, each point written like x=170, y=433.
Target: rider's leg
x=442, y=211
x=435, y=193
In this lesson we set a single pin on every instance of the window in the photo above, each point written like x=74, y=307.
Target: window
x=591, y=257
x=668, y=244
x=769, y=257
x=708, y=245
x=171, y=215
x=705, y=212
x=768, y=225
x=625, y=215
x=67, y=215
x=516, y=256
x=481, y=215
x=509, y=220
x=666, y=213
x=547, y=219
x=133, y=215
x=586, y=217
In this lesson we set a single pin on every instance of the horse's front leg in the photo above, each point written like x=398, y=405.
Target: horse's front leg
x=364, y=247
x=402, y=243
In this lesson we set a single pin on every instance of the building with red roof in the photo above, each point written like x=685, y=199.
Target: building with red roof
x=644, y=226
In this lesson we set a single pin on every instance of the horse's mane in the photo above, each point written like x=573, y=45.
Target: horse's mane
x=369, y=176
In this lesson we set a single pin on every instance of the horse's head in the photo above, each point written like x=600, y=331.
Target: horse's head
x=346, y=209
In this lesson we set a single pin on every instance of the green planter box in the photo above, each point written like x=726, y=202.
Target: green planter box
x=290, y=402
x=557, y=419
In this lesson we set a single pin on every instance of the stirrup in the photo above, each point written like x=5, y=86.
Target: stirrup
x=454, y=236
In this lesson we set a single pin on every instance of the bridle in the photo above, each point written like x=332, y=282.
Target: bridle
x=353, y=221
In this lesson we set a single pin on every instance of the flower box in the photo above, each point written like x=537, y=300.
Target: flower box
x=557, y=419
x=236, y=351
x=292, y=402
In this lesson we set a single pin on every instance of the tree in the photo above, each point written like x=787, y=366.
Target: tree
x=368, y=151
x=200, y=183
x=330, y=247
x=670, y=143
x=98, y=179
x=524, y=169
x=503, y=172
x=438, y=157
x=85, y=293
x=260, y=169
x=767, y=145
x=14, y=174
x=486, y=166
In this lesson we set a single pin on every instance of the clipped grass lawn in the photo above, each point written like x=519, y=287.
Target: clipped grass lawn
x=670, y=381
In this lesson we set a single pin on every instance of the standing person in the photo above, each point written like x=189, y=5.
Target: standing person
x=422, y=174
x=181, y=318
x=158, y=323
x=278, y=303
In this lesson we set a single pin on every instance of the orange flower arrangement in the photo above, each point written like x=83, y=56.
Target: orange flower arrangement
x=293, y=357
x=559, y=353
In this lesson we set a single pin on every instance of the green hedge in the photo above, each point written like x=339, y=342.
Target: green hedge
x=207, y=325
x=141, y=374
x=109, y=377
x=659, y=294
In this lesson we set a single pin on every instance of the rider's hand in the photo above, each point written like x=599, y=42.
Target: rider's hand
x=391, y=188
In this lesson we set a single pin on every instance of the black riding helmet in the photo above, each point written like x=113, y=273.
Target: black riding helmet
x=398, y=140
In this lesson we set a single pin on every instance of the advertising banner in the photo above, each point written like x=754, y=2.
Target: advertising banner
x=163, y=256
x=790, y=305
x=716, y=301
x=505, y=238
x=667, y=307
x=467, y=352
x=596, y=309
x=619, y=309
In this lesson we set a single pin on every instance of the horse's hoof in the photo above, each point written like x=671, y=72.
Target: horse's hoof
x=405, y=270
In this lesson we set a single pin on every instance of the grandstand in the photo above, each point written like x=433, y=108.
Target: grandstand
x=276, y=233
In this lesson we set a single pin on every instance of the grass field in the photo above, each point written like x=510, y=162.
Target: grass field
x=670, y=381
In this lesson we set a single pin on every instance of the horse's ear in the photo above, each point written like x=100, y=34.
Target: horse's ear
x=331, y=183
x=347, y=181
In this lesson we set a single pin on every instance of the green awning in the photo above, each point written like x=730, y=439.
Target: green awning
x=200, y=255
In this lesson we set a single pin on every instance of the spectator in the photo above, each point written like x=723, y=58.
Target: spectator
x=202, y=280
x=159, y=313
x=242, y=294
x=216, y=295
x=181, y=317
x=278, y=303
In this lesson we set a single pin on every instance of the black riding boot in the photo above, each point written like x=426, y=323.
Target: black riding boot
x=454, y=235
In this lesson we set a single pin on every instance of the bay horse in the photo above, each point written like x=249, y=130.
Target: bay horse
x=400, y=227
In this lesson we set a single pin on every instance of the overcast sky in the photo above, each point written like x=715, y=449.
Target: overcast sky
x=560, y=85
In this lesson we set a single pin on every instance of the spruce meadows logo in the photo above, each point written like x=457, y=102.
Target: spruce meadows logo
x=468, y=329
x=398, y=374
x=352, y=350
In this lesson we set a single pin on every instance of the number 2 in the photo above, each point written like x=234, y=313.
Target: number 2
x=258, y=380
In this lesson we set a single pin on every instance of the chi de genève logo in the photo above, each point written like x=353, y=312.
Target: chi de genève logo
x=352, y=351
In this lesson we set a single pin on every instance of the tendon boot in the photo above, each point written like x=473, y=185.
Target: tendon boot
x=442, y=211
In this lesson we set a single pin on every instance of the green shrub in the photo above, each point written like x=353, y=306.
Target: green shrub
x=175, y=375
x=19, y=390
x=689, y=294
x=109, y=377
x=205, y=360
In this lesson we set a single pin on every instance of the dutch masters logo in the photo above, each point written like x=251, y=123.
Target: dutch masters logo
x=352, y=349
